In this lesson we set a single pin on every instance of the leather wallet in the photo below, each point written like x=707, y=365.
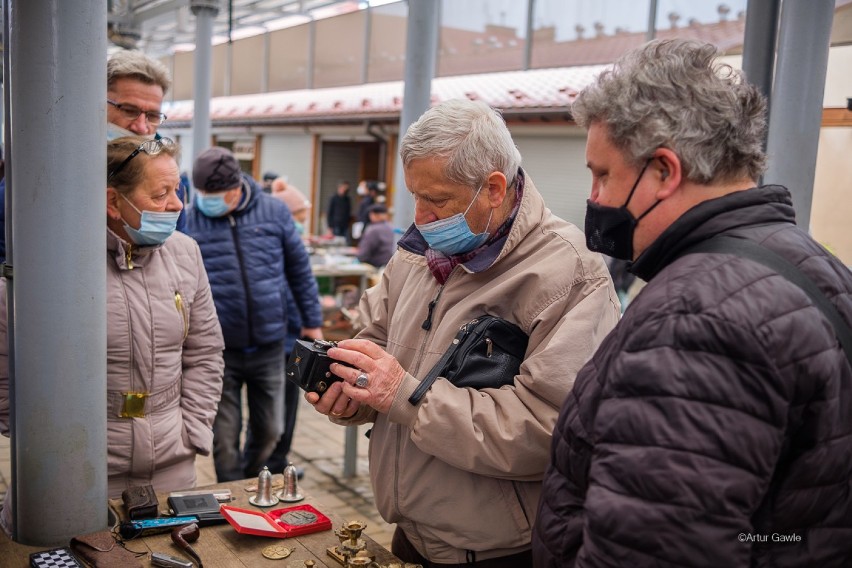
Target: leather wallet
x=102, y=551
x=140, y=502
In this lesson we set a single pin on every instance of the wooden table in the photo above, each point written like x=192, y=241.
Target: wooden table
x=220, y=546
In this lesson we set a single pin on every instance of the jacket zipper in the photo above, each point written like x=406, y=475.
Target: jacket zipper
x=427, y=325
x=129, y=256
x=180, y=308
x=244, y=276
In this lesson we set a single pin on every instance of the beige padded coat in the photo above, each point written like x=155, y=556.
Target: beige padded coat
x=461, y=471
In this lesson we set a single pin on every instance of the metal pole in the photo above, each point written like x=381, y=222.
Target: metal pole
x=58, y=88
x=368, y=32
x=651, y=33
x=528, y=46
x=761, y=33
x=312, y=41
x=796, y=118
x=264, y=74
x=420, y=55
x=205, y=12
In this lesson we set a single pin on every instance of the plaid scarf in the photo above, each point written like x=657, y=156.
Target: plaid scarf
x=441, y=265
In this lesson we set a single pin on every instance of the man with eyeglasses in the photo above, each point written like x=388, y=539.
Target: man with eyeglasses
x=136, y=85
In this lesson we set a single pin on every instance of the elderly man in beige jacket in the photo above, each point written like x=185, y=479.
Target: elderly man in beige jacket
x=459, y=469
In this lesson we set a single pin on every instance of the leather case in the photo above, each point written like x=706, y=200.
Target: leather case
x=140, y=502
x=102, y=551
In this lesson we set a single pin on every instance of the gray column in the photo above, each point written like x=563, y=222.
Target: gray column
x=528, y=45
x=368, y=34
x=58, y=102
x=651, y=32
x=761, y=33
x=205, y=12
x=312, y=51
x=797, y=100
x=420, y=54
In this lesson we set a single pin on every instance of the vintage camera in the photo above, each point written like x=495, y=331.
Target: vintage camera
x=309, y=363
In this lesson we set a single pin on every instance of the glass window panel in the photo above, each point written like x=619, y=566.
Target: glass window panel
x=339, y=50
x=247, y=65
x=388, y=32
x=182, y=75
x=288, y=58
x=586, y=32
x=481, y=36
x=218, y=72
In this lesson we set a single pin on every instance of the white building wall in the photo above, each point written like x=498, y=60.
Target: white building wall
x=557, y=166
x=290, y=155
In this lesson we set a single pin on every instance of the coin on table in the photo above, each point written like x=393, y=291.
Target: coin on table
x=276, y=552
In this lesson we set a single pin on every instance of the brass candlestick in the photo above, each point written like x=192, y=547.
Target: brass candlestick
x=351, y=544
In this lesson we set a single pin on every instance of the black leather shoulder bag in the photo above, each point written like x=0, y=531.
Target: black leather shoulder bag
x=486, y=353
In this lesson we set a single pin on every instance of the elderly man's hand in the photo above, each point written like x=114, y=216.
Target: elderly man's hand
x=375, y=378
x=333, y=401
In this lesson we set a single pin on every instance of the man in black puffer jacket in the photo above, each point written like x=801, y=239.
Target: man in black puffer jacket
x=713, y=427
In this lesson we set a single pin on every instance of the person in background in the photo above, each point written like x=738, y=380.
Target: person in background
x=254, y=258
x=268, y=178
x=459, y=469
x=371, y=194
x=136, y=86
x=295, y=200
x=163, y=336
x=712, y=426
x=300, y=208
x=339, y=210
x=378, y=243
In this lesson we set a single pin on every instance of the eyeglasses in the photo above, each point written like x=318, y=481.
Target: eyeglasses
x=150, y=147
x=131, y=112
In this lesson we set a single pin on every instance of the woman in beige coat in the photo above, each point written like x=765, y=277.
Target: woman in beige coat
x=164, y=344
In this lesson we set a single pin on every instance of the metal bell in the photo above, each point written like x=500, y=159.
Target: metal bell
x=290, y=493
x=264, y=496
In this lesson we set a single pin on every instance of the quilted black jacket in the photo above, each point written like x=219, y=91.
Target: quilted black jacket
x=713, y=427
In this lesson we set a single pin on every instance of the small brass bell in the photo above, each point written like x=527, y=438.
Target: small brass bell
x=290, y=493
x=264, y=496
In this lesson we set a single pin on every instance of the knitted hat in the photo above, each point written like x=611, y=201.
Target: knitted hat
x=216, y=169
x=294, y=199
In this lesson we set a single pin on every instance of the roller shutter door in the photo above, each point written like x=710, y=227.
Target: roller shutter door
x=557, y=166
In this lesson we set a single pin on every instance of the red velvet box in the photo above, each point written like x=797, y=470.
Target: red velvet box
x=278, y=523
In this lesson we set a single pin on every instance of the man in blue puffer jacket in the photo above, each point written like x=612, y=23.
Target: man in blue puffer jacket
x=253, y=254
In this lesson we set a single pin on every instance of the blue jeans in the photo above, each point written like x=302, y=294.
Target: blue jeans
x=262, y=371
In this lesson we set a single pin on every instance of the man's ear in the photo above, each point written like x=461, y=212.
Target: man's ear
x=495, y=185
x=112, y=197
x=668, y=171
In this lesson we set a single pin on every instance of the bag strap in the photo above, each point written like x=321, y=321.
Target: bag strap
x=426, y=383
x=753, y=251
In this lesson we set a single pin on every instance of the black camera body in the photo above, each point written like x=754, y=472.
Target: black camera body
x=308, y=365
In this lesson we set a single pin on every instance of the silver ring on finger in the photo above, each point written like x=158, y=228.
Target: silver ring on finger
x=362, y=380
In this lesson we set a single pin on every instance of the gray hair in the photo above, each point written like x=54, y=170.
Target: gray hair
x=673, y=94
x=470, y=135
x=136, y=65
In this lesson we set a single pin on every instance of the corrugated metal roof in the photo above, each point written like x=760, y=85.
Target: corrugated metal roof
x=518, y=92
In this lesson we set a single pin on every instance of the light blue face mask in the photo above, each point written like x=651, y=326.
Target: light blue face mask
x=213, y=205
x=155, y=227
x=453, y=235
x=114, y=131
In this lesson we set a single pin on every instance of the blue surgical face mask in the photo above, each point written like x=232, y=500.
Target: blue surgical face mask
x=453, y=235
x=155, y=227
x=212, y=205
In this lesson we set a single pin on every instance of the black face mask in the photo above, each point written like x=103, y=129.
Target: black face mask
x=609, y=230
